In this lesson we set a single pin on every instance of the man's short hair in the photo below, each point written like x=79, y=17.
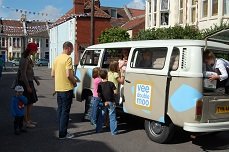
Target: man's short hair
x=103, y=74
x=67, y=44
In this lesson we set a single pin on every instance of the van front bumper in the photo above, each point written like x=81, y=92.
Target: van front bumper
x=206, y=127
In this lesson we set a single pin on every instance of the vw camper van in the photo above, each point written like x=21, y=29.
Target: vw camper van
x=167, y=88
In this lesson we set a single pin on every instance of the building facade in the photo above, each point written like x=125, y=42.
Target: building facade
x=202, y=13
x=14, y=36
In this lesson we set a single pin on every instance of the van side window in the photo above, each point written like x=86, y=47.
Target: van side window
x=91, y=57
x=149, y=58
x=112, y=54
x=174, y=60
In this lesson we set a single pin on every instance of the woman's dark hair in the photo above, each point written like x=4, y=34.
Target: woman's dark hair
x=103, y=74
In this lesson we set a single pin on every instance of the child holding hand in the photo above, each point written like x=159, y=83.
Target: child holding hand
x=18, y=103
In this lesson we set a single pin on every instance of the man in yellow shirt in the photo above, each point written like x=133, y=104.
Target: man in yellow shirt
x=65, y=82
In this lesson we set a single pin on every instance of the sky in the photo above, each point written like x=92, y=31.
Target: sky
x=52, y=9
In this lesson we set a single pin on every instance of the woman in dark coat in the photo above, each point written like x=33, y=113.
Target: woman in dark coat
x=26, y=77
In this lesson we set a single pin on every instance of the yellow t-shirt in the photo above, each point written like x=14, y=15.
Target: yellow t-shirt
x=62, y=63
x=112, y=76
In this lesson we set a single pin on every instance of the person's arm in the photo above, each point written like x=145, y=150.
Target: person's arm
x=36, y=80
x=223, y=71
x=69, y=72
x=23, y=99
x=120, y=78
x=53, y=69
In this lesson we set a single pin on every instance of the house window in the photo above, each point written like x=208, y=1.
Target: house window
x=18, y=42
x=205, y=8
x=10, y=41
x=47, y=42
x=114, y=13
x=226, y=7
x=154, y=12
x=181, y=11
x=214, y=7
x=2, y=42
x=150, y=13
x=164, y=12
x=14, y=42
x=193, y=11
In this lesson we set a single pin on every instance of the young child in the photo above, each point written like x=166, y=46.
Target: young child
x=18, y=103
x=95, y=99
x=106, y=93
x=115, y=76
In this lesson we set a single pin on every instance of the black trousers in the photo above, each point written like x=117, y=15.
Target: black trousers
x=18, y=122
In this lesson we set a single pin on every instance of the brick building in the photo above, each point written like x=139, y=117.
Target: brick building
x=77, y=23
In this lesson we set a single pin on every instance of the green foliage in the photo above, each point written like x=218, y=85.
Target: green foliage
x=214, y=28
x=115, y=34
x=176, y=32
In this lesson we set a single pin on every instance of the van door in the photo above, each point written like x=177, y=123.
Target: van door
x=146, y=81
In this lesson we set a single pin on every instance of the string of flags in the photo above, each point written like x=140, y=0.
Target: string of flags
x=22, y=11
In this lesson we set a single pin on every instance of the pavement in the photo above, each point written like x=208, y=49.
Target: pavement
x=44, y=136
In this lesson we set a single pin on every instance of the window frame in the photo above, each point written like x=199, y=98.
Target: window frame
x=225, y=7
x=212, y=3
x=83, y=60
x=134, y=58
x=202, y=8
x=181, y=9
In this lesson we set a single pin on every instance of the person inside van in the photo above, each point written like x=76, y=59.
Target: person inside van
x=146, y=61
x=220, y=66
x=123, y=61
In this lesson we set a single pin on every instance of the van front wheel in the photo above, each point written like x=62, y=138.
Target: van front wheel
x=159, y=132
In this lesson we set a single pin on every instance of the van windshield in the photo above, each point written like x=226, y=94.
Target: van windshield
x=91, y=57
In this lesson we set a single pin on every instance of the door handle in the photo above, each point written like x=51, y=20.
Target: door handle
x=128, y=81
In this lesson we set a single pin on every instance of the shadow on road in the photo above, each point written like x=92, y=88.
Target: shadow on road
x=213, y=141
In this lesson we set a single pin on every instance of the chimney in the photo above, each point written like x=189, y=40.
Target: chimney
x=97, y=3
x=78, y=6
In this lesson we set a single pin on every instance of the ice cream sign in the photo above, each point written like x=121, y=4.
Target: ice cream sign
x=143, y=95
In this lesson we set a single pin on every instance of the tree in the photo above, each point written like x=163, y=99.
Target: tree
x=176, y=32
x=115, y=34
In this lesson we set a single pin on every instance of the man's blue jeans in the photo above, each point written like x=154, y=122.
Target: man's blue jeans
x=112, y=116
x=64, y=101
x=94, y=112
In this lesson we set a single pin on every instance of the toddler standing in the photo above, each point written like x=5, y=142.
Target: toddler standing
x=18, y=103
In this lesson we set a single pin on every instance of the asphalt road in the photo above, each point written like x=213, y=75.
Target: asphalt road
x=132, y=137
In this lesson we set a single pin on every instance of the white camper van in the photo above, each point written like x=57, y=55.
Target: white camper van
x=170, y=91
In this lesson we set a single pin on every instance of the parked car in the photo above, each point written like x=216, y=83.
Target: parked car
x=15, y=62
x=42, y=62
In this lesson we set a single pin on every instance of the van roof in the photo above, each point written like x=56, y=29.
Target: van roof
x=150, y=43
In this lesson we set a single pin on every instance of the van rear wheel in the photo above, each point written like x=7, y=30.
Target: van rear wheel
x=159, y=132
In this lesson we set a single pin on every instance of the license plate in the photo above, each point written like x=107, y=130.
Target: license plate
x=222, y=109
